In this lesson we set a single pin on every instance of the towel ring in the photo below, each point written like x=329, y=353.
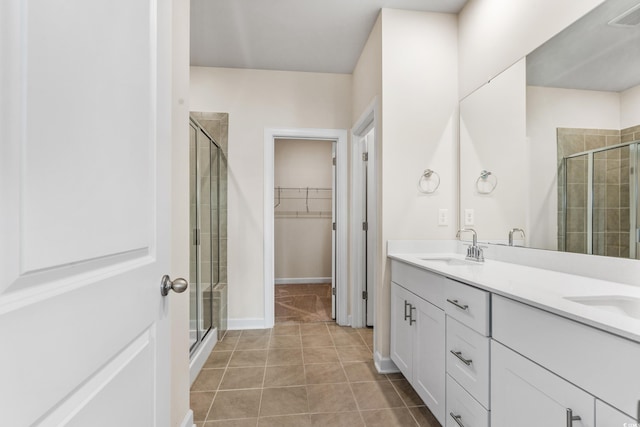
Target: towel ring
x=486, y=182
x=429, y=181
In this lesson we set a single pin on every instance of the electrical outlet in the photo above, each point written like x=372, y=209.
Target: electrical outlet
x=469, y=217
x=443, y=216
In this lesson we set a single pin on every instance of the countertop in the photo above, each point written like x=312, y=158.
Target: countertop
x=544, y=289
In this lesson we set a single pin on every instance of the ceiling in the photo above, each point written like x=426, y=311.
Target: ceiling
x=294, y=35
x=590, y=54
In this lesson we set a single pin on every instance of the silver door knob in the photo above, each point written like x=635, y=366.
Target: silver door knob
x=179, y=285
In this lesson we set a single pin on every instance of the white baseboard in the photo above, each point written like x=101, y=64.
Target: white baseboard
x=200, y=356
x=188, y=420
x=246, y=323
x=303, y=280
x=384, y=365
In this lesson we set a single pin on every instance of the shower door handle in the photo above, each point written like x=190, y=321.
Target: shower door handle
x=179, y=285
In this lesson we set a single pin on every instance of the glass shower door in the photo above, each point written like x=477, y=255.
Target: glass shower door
x=194, y=336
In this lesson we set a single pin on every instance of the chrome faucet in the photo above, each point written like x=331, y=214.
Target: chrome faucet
x=515, y=230
x=474, y=252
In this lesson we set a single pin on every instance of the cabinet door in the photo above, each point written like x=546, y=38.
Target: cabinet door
x=429, y=356
x=607, y=416
x=401, y=331
x=527, y=395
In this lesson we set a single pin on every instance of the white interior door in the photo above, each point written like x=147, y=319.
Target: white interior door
x=333, y=229
x=369, y=242
x=84, y=212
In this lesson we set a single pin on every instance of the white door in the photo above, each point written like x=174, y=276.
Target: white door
x=84, y=202
x=369, y=207
x=334, y=205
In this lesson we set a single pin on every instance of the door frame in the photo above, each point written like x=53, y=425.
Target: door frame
x=368, y=120
x=339, y=136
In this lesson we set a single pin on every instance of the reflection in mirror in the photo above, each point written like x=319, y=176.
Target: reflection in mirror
x=493, y=178
x=577, y=164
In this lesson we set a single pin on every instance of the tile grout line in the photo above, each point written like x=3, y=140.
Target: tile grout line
x=206, y=418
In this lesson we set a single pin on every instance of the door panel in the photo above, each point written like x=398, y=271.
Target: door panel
x=84, y=218
x=429, y=356
x=401, y=332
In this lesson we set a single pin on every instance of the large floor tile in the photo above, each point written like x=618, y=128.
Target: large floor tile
x=285, y=341
x=322, y=340
x=240, y=378
x=235, y=404
x=287, y=375
x=301, y=420
x=340, y=419
x=200, y=402
x=208, y=380
x=330, y=398
x=218, y=359
x=245, y=422
x=363, y=371
x=424, y=417
x=284, y=356
x=323, y=373
x=320, y=355
x=407, y=393
x=286, y=330
x=376, y=395
x=354, y=354
x=284, y=401
x=253, y=342
x=397, y=417
x=248, y=358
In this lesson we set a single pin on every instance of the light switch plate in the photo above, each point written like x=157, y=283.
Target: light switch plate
x=469, y=217
x=443, y=217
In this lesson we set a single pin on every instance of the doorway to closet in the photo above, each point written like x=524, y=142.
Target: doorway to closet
x=304, y=240
x=337, y=138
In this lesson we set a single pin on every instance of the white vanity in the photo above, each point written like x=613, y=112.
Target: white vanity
x=509, y=345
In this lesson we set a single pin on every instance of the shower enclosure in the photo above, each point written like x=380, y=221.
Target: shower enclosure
x=599, y=201
x=204, y=271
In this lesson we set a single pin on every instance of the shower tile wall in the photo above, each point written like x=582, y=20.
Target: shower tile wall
x=610, y=192
x=217, y=125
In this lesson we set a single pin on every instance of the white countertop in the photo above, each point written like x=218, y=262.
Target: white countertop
x=542, y=288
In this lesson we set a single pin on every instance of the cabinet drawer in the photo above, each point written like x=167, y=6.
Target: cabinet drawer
x=426, y=285
x=461, y=404
x=603, y=364
x=469, y=305
x=470, y=366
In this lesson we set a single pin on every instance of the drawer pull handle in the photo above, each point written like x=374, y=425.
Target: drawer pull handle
x=457, y=418
x=457, y=304
x=406, y=304
x=571, y=418
x=411, y=319
x=458, y=354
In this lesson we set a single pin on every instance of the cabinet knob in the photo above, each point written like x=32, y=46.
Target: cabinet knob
x=406, y=304
x=458, y=354
x=571, y=418
x=457, y=419
x=457, y=304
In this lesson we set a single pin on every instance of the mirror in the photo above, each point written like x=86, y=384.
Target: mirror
x=554, y=135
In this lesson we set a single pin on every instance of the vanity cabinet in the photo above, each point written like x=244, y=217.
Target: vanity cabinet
x=527, y=395
x=538, y=357
x=417, y=346
x=418, y=333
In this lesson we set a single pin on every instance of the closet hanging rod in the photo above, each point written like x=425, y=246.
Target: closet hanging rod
x=303, y=188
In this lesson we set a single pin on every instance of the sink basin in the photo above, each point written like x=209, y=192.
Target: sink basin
x=449, y=260
x=627, y=306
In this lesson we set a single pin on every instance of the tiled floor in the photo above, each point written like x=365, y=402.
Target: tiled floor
x=303, y=303
x=302, y=375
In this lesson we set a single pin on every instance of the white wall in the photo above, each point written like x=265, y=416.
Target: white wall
x=255, y=100
x=548, y=109
x=630, y=107
x=419, y=131
x=367, y=74
x=303, y=243
x=179, y=303
x=494, y=34
x=493, y=137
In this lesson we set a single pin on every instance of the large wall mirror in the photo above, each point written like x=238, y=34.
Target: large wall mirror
x=550, y=147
